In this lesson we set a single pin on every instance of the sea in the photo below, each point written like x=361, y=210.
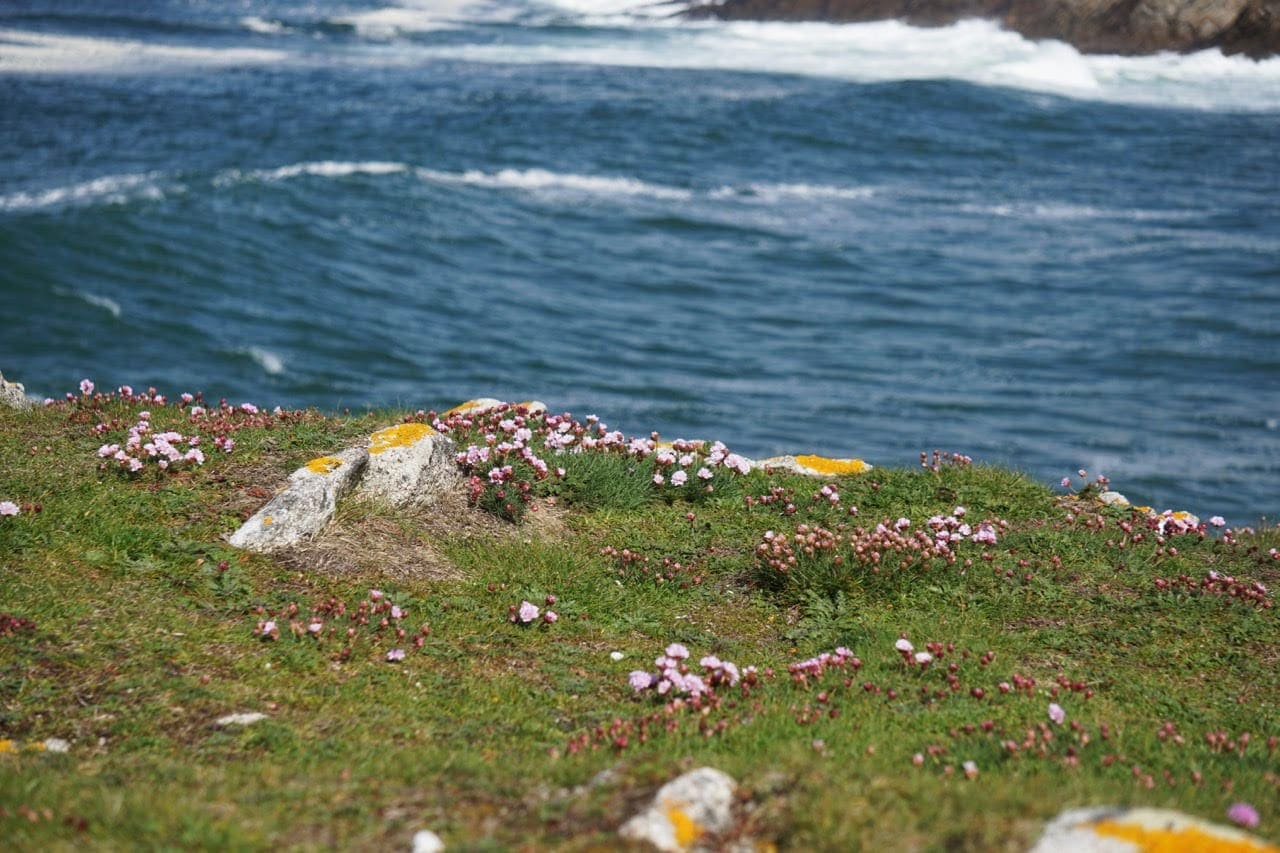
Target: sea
x=861, y=240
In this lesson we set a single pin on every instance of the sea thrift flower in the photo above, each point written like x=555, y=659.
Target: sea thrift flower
x=904, y=645
x=1056, y=713
x=704, y=473
x=550, y=617
x=923, y=658
x=658, y=479
x=86, y=387
x=528, y=612
x=268, y=630
x=679, y=478
x=640, y=680
x=375, y=594
x=8, y=508
x=1066, y=483
x=971, y=769
x=1217, y=521
x=395, y=655
x=677, y=651
x=1243, y=814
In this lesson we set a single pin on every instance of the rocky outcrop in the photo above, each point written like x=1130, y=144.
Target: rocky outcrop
x=1251, y=27
x=13, y=395
x=684, y=810
x=1118, y=830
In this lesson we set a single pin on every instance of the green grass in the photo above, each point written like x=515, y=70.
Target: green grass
x=141, y=632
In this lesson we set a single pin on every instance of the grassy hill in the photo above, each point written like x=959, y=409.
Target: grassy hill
x=939, y=657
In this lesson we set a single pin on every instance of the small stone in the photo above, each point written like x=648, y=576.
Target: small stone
x=246, y=719
x=426, y=841
x=56, y=744
x=684, y=810
x=409, y=465
x=1120, y=830
x=1113, y=499
x=305, y=506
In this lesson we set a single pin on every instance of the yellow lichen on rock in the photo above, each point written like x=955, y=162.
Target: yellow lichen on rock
x=462, y=407
x=687, y=830
x=402, y=435
x=324, y=465
x=825, y=465
x=1178, y=839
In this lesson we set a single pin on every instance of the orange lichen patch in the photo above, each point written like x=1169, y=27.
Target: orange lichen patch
x=7, y=745
x=267, y=520
x=1180, y=839
x=686, y=828
x=324, y=465
x=823, y=465
x=403, y=435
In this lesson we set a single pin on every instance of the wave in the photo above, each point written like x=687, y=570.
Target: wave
x=106, y=303
x=28, y=52
x=319, y=168
x=109, y=189
x=1065, y=212
x=973, y=51
x=262, y=26
x=777, y=192
x=542, y=179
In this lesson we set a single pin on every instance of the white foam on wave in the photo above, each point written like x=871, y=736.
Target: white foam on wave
x=109, y=189
x=542, y=179
x=885, y=51
x=106, y=303
x=255, y=24
x=319, y=168
x=423, y=16
x=779, y=192
x=27, y=52
x=271, y=363
x=1063, y=211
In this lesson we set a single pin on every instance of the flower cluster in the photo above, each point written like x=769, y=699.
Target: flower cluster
x=814, y=550
x=332, y=622
x=938, y=460
x=632, y=565
x=1219, y=585
x=145, y=445
x=528, y=613
x=10, y=625
x=675, y=677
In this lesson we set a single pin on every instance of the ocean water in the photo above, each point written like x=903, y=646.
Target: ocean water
x=864, y=240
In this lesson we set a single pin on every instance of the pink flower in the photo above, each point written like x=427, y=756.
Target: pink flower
x=902, y=524
x=1218, y=521
x=1066, y=483
x=396, y=612
x=375, y=594
x=315, y=627
x=904, y=645
x=1056, y=713
x=1243, y=814
x=704, y=473
x=395, y=655
x=971, y=769
x=923, y=658
x=677, y=651
x=268, y=630
x=528, y=612
x=640, y=680
x=86, y=387
x=550, y=617
x=551, y=599
x=8, y=508
x=658, y=479
x=679, y=478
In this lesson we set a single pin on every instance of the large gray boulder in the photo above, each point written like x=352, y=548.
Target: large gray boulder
x=409, y=465
x=305, y=506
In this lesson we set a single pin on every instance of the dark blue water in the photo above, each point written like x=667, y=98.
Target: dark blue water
x=863, y=241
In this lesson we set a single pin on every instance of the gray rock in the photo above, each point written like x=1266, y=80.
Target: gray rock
x=1104, y=830
x=684, y=810
x=409, y=465
x=13, y=395
x=306, y=506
